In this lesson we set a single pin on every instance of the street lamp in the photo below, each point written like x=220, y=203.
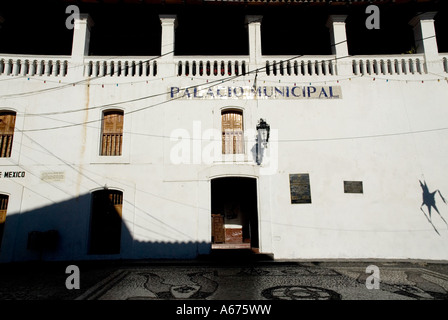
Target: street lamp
x=263, y=132
x=262, y=139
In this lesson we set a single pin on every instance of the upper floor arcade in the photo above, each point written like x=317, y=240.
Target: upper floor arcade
x=218, y=42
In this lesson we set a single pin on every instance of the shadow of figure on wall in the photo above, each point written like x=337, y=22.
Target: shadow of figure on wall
x=430, y=202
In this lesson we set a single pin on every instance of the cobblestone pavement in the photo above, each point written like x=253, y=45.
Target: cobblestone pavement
x=208, y=280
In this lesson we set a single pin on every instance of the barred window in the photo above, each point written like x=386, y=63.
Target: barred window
x=232, y=132
x=112, y=133
x=7, y=123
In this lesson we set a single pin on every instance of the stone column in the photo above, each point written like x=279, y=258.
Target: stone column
x=426, y=42
x=339, y=47
x=254, y=28
x=81, y=41
x=169, y=24
x=165, y=65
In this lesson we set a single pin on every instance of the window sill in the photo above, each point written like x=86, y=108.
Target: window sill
x=110, y=160
x=235, y=158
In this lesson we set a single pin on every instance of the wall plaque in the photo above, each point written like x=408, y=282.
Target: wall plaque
x=353, y=187
x=53, y=176
x=300, y=188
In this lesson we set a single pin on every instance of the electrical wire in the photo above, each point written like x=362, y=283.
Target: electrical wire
x=210, y=85
x=299, y=226
x=80, y=172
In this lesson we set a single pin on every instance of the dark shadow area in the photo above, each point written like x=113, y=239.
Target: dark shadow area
x=31, y=27
x=211, y=31
x=258, y=151
x=395, y=35
x=83, y=236
x=123, y=30
x=430, y=202
x=133, y=29
x=235, y=199
x=295, y=31
x=441, y=25
x=105, y=222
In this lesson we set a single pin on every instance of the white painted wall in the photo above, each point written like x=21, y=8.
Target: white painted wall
x=387, y=131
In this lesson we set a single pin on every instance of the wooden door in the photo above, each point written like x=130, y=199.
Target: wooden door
x=7, y=123
x=232, y=132
x=3, y=208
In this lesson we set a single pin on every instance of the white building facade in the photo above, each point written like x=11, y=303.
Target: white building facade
x=160, y=157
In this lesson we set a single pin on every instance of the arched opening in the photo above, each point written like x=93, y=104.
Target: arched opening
x=3, y=208
x=105, y=222
x=234, y=213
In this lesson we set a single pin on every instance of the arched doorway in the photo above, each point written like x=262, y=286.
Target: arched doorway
x=105, y=222
x=234, y=213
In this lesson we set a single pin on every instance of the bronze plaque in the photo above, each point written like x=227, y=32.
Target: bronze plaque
x=353, y=187
x=300, y=188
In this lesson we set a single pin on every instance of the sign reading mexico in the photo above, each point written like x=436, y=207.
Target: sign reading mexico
x=262, y=92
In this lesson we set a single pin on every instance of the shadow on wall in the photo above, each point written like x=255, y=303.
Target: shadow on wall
x=257, y=153
x=429, y=201
x=80, y=229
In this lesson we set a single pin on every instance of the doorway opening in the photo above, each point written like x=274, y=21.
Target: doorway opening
x=234, y=213
x=105, y=223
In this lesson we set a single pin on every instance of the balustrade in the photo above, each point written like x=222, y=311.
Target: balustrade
x=394, y=65
x=33, y=66
x=281, y=66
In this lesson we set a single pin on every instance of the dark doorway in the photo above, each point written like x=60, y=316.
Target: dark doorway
x=234, y=213
x=105, y=224
x=3, y=208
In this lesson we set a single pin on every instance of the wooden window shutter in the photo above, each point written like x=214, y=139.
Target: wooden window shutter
x=112, y=133
x=232, y=132
x=7, y=123
x=116, y=198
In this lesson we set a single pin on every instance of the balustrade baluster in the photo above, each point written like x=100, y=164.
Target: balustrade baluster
x=15, y=67
x=53, y=68
x=96, y=69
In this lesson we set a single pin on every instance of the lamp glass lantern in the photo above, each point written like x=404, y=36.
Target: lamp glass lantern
x=263, y=130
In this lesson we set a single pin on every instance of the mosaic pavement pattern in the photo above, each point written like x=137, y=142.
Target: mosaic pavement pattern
x=268, y=283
